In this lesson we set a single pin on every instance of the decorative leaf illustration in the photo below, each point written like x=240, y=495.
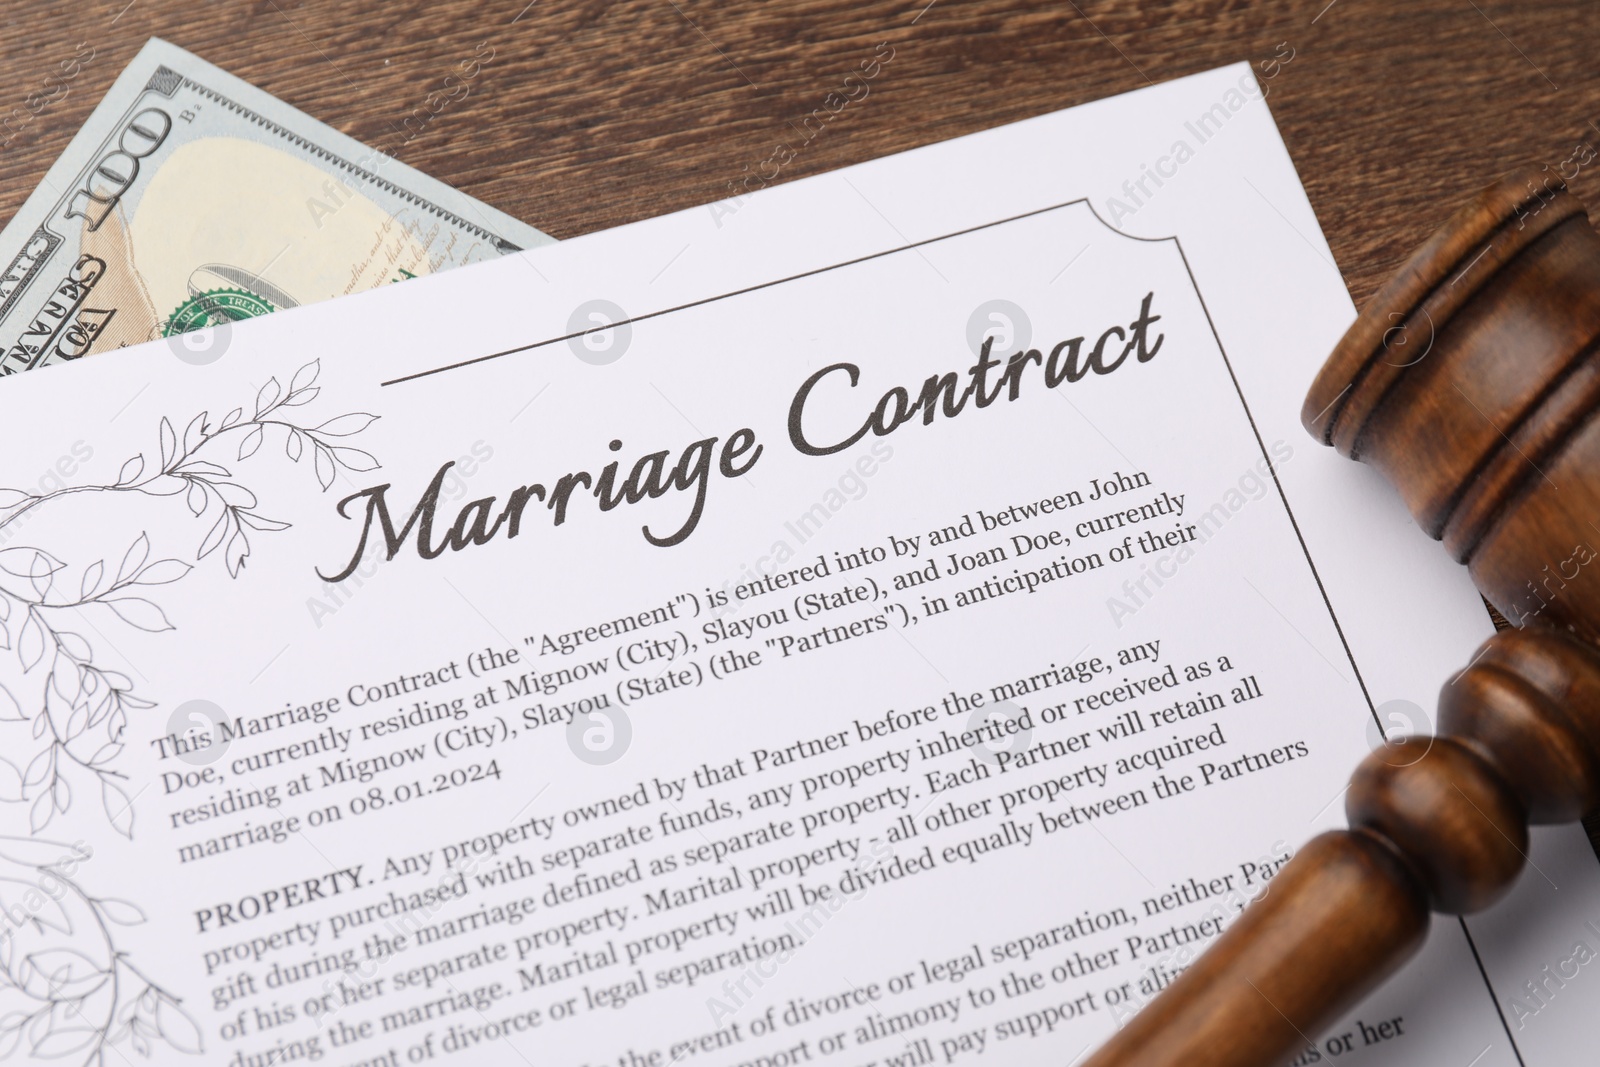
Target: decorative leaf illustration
x=267, y=397
x=137, y=553
x=100, y=704
x=121, y=912
x=91, y=578
x=83, y=707
x=202, y=467
x=355, y=459
x=137, y=611
x=251, y=442
x=164, y=485
x=177, y=1028
x=54, y=1044
x=238, y=549
x=169, y=444
x=25, y=562
x=346, y=425
x=235, y=496
x=42, y=1024
x=74, y=645
x=10, y=710
x=119, y=809
x=17, y=897
x=43, y=576
x=64, y=973
x=325, y=468
x=30, y=646
x=66, y=682
x=195, y=433
x=77, y=723
x=39, y=769
x=161, y=572
x=38, y=852
x=261, y=522
x=105, y=754
x=214, y=538
x=305, y=376
x=70, y=991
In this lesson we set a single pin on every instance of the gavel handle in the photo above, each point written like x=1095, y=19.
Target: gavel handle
x=1437, y=823
x=1338, y=919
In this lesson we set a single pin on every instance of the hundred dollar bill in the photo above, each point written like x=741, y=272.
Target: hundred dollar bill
x=191, y=198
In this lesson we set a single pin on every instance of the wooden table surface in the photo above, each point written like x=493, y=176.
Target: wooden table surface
x=594, y=113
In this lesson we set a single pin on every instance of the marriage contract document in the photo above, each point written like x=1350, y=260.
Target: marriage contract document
x=892, y=618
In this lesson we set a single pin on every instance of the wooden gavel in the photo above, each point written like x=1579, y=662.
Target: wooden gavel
x=1472, y=381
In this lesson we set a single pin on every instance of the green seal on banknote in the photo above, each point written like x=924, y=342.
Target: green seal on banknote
x=215, y=307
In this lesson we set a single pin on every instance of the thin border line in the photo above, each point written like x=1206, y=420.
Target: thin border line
x=1194, y=284
x=1494, y=998
x=737, y=292
x=1227, y=364
x=1278, y=484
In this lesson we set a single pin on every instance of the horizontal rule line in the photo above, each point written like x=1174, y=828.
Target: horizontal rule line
x=724, y=296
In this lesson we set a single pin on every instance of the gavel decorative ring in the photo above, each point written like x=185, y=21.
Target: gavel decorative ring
x=1472, y=381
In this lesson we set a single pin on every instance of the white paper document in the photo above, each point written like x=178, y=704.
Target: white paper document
x=894, y=618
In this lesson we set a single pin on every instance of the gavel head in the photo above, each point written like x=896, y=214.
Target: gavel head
x=1472, y=380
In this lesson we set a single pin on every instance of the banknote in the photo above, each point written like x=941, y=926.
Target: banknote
x=191, y=198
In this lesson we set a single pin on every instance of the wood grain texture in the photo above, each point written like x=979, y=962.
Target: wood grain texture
x=1509, y=290
x=1342, y=915
x=597, y=113
x=1435, y=822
